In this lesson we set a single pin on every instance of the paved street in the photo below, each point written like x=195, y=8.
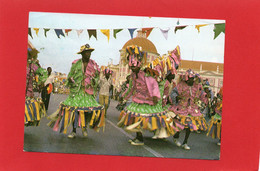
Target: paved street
x=114, y=140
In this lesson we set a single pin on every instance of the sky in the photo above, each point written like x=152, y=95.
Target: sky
x=59, y=53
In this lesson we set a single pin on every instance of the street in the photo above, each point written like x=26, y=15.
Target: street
x=114, y=140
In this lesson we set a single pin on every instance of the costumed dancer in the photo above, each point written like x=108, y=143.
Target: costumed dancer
x=187, y=109
x=80, y=109
x=216, y=121
x=106, y=86
x=145, y=112
x=34, y=107
x=167, y=66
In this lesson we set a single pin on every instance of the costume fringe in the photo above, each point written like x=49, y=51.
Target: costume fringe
x=161, y=123
x=193, y=122
x=34, y=111
x=214, y=130
x=66, y=118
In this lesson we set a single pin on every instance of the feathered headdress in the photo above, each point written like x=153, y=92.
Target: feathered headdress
x=167, y=64
x=135, y=55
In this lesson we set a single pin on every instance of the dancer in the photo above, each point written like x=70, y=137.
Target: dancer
x=80, y=109
x=145, y=112
x=34, y=107
x=167, y=66
x=189, y=92
x=216, y=121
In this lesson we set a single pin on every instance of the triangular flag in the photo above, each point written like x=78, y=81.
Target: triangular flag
x=179, y=28
x=79, y=32
x=218, y=28
x=147, y=31
x=67, y=31
x=132, y=31
x=36, y=30
x=165, y=33
x=199, y=26
x=106, y=32
x=116, y=31
x=30, y=32
x=45, y=31
x=59, y=32
x=92, y=33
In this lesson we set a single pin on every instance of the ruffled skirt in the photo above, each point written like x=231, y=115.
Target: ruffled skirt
x=137, y=117
x=34, y=111
x=194, y=123
x=80, y=110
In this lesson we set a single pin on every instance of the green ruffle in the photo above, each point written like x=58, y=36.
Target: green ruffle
x=43, y=75
x=146, y=108
x=81, y=99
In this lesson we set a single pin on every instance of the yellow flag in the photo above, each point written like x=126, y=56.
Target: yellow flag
x=106, y=32
x=36, y=30
x=199, y=26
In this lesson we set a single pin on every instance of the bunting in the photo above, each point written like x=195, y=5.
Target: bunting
x=30, y=32
x=92, y=33
x=199, y=26
x=218, y=28
x=147, y=31
x=165, y=33
x=132, y=32
x=179, y=28
x=36, y=30
x=116, y=31
x=59, y=32
x=45, y=31
x=67, y=31
x=106, y=32
x=79, y=31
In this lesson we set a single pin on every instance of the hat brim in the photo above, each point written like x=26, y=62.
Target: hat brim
x=86, y=50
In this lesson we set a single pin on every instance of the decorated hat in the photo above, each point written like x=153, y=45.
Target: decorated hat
x=135, y=55
x=167, y=64
x=175, y=57
x=85, y=47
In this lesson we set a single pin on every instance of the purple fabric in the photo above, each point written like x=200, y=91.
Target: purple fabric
x=186, y=105
x=91, y=68
x=145, y=88
x=152, y=87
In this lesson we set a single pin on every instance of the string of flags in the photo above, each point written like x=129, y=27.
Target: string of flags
x=218, y=29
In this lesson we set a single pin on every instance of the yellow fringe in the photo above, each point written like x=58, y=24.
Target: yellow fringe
x=66, y=115
x=82, y=117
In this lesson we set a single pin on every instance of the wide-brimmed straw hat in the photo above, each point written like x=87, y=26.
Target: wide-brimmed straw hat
x=85, y=47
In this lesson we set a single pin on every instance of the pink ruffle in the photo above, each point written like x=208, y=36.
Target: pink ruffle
x=91, y=69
